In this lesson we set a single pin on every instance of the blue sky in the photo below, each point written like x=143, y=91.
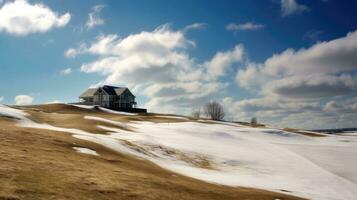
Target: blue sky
x=258, y=58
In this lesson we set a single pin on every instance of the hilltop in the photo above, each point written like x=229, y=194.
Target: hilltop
x=60, y=151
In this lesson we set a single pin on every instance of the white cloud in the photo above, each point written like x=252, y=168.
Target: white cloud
x=22, y=18
x=323, y=70
x=219, y=64
x=66, y=71
x=293, y=85
x=331, y=106
x=344, y=106
x=244, y=27
x=157, y=65
x=23, y=100
x=292, y=113
x=194, y=26
x=313, y=86
x=289, y=7
x=1, y=99
x=161, y=41
x=71, y=53
x=247, y=78
x=94, y=18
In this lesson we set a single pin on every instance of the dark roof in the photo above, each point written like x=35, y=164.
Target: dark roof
x=111, y=90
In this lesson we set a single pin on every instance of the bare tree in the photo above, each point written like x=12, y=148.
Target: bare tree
x=254, y=121
x=196, y=113
x=214, y=111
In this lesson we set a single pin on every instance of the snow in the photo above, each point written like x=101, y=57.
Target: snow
x=6, y=111
x=105, y=120
x=253, y=157
x=103, y=109
x=266, y=158
x=83, y=106
x=86, y=151
x=220, y=122
x=173, y=117
x=350, y=133
x=115, y=112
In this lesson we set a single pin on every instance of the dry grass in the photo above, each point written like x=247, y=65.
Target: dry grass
x=195, y=160
x=306, y=133
x=41, y=164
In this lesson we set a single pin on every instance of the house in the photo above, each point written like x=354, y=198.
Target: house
x=116, y=98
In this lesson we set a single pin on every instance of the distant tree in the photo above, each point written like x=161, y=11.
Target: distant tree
x=253, y=121
x=196, y=113
x=214, y=111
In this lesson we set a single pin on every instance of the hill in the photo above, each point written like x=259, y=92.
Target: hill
x=62, y=151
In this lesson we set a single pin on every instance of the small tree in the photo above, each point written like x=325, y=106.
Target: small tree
x=214, y=111
x=196, y=114
x=253, y=121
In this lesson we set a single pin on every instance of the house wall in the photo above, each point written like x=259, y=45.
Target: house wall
x=124, y=101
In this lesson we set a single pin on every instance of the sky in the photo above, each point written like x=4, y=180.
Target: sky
x=290, y=63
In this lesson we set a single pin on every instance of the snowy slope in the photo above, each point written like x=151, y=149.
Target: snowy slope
x=102, y=109
x=262, y=158
x=6, y=111
x=312, y=167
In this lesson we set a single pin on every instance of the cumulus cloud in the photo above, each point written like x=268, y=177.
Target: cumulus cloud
x=344, y=106
x=1, y=99
x=314, y=86
x=71, y=53
x=147, y=57
x=294, y=113
x=332, y=106
x=219, y=64
x=293, y=85
x=323, y=70
x=244, y=27
x=66, y=71
x=247, y=78
x=94, y=18
x=23, y=100
x=289, y=7
x=269, y=104
x=157, y=65
x=21, y=18
x=290, y=88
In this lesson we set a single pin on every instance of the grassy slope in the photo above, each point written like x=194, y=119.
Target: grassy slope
x=41, y=164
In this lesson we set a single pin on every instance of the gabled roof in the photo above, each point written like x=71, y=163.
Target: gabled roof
x=110, y=90
x=120, y=91
x=90, y=92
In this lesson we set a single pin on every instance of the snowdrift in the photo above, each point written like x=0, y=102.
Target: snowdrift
x=231, y=154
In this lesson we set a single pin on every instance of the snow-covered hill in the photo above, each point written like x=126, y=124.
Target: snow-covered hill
x=227, y=153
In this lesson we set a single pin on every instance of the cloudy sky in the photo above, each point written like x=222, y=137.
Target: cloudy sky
x=286, y=62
